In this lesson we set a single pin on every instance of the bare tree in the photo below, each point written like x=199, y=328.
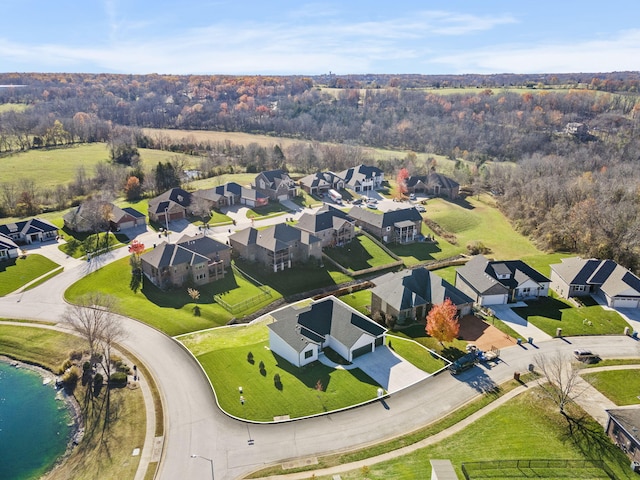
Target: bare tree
x=560, y=381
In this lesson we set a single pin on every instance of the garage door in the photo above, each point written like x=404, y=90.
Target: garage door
x=362, y=350
x=494, y=300
x=626, y=303
x=283, y=197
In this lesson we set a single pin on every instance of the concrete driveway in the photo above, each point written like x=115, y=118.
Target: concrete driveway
x=392, y=372
x=519, y=324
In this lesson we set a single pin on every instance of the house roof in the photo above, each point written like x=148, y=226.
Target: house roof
x=613, y=279
x=433, y=178
x=320, y=179
x=359, y=174
x=483, y=274
x=325, y=218
x=175, y=196
x=27, y=227
x=325, y=317
x=386, y=219
x=276, y=178
x=275, y=238
x=190, y=250
x=6, y=243
x=410, y=288
x=628, y=419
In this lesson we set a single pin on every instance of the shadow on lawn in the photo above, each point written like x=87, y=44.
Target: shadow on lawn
x=589, y=437
x=178, y=298
x=312, y=376
x=421, y=251
x=352, y=255
x=7, y=263
x=545, y=307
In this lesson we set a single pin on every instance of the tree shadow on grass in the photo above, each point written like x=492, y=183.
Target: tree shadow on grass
x=178, y=297
x=421, y=251
x=589, y=437
x=7, y=263
x=309, y=375
x=544, y=307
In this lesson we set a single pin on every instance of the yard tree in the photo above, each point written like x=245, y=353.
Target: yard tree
x=401, y=180
x=135, y=248
x=133, y=188
x=442, y=323
x=560, y=380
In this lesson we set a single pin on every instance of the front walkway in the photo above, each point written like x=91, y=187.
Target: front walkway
x=524, y=328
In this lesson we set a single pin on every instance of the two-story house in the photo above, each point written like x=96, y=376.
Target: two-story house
x=362, y=178
x=400, y=226
x=275, y=184
x=329, y=224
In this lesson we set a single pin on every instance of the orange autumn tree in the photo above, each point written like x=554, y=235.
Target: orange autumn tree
x=442, y=323
x=401, y=180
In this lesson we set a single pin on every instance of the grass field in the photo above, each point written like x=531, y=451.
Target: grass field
x=622, y=387
x=314, y=389
x=361, y=301
x=170, y=311
x=19, y=271
x=450, y=350
x=527, y=427
x=359, y=254
x=416, y=353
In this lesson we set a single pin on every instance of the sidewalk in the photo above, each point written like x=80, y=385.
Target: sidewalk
x=519, y=324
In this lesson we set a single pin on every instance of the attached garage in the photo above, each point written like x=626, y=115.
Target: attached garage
x=362, y=350
x=283, y=197
x=624, y=303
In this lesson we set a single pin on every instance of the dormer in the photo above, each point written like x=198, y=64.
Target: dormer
x=502, y=271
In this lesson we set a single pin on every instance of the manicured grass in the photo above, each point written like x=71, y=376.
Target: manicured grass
x=47, y=348
x=305, y=200
x=170, y=311
x=526, y=427
x=622, y=387
x=542, y=262
x=301, y=278
x=272, y=209
x=359, y=254
x=100, y=451
x=450, y=350
x=550, y=313
x=415, y=353
x=360, y=300
x=313, y=389
x=16, y=272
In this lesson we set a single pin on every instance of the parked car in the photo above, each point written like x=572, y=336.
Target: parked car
x=412, y=196
x=463, y=363
x=420, y=208
x=586, y=356
x=357, y=201
x=372, y=206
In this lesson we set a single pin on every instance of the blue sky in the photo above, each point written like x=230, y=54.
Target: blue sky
x=275, y=37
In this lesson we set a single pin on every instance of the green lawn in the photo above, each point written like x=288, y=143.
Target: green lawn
x=170, y=311
x=16, y=272
x=450, y=350
x=359, y=254
x=551, y=313
x=272, y=209
x=360, y=300
x=301, y=278
x=416, y=353
x=527, y=427
x=622, y=387
x=314, y=389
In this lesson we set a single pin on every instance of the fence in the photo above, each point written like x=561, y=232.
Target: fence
x=265, y=293
x=539, y=468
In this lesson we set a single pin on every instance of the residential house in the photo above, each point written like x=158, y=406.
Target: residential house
x=409, y=295
x=434, y=184
x=612, y=283
x=229, y=194
x=623, y=427
x=499, y=282
x=277, y=247
x=300, y=334
x=275, y=184
x=362, y=178
x=329, y=224
x=82, y=218
x=321, y=182
x=401, y=226
x=169, y=206
x=199, y=259
x=30, y=231
x=8, y=248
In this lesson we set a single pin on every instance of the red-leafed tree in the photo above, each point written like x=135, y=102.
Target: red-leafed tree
x=442, y=323
x=401, y=180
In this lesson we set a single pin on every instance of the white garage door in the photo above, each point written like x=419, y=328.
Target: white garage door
x=494, y=300
x=283, y=197
x=625, y=303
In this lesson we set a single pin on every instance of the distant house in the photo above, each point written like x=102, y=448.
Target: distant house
x=8, y=248
x=329, y=224
x=229, y=194
x=623, y=427
x=169, y=206
x=401, y=226
x=362, y=178
x=275, y=184
x=29, y=231
x=278, y=247
x=434, y=184
x=614, y=284
x=409, y=295
x=321, y=182
x=198, y=259
x=501, y=281
x=81, y=218
x=299, y=334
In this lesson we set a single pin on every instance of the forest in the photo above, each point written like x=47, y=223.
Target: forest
x=559, y=152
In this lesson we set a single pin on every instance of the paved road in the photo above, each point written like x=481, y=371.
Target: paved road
x=194, y=425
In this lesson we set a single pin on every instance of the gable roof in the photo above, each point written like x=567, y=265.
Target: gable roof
x=325, y=317
x=483, y=274
x=27, y=227
x=433, y=178
x=175, y=196
x=275, y=238
x=386, y=219
x=358, y=174
x=410, y=288
x=325, y=218
x=276, y=178
x=612, y=279
x=6, y=243
x=191, y=250
x=628, y=419
x=320, y=179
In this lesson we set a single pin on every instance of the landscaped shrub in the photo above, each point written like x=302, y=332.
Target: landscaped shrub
x=86, y=366
x=477, y=248
x=118, y=379
x=250, y=358
x=277, y=382
x=75, y=355
x=439, y=230
x=98, y=382
x=65, y=366
x=263, y=371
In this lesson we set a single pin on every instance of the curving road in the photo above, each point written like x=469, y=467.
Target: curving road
x=194, y=424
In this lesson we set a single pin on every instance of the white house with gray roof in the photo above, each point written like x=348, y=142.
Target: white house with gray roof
x=329, y=224
x=362, y=178
x=613, y=283
x=299, y=334
x=497, y=282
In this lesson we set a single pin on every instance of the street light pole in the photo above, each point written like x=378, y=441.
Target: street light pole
x=166, y=222
x=193, y=455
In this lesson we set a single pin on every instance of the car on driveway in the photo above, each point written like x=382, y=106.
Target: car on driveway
x=586, y=356
x=372, y=206
x=357, y=201
x=420, y=208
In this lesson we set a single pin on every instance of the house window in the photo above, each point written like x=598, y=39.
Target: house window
x=580, y=288
x=308, y=354
x=526, y=291
x=3, y=253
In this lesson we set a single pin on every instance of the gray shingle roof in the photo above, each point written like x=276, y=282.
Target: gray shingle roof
x=386, y=219
x=26, y=227
x=275, y=238
x=360, y=173
x=191, y=250
x=483, y=274
x=325, y=218
x=166, y=199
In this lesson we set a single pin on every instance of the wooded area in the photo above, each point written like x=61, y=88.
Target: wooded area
x=563, y=148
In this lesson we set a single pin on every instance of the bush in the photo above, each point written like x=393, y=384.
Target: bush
x=250, y=358
x=86, y=366
x=477, y=247
x=118, y=379
x=75, y=355
x=65, y=366
x=70, y=378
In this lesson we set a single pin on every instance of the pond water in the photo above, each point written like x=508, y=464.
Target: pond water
x=35, y=426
